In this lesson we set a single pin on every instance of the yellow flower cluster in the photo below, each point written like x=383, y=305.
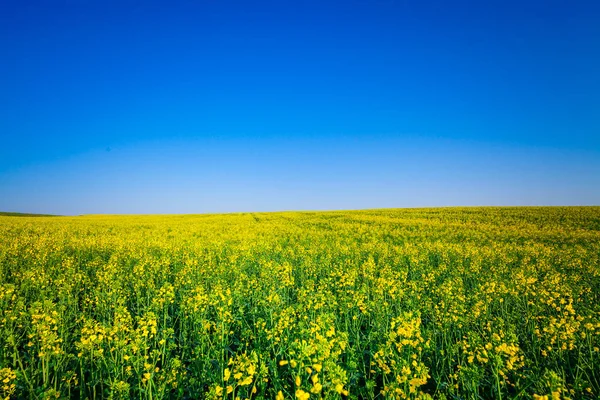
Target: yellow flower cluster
x=398, y=304
x=7, y=382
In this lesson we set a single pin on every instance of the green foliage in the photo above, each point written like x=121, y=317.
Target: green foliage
x=422, y=303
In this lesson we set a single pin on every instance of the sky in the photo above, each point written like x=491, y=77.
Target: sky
x=139, y=106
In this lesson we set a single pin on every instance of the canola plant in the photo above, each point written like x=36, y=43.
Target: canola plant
x=457, y=303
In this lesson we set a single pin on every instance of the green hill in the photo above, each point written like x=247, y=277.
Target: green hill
x=16, y=214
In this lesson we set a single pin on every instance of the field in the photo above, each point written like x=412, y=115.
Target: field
x=458, y=303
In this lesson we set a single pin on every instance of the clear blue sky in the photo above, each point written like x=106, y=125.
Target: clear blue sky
x=217, y=106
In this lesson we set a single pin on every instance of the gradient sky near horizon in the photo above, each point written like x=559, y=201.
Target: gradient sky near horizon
x=221, y=106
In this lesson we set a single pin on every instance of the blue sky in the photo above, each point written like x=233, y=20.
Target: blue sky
x=218, y=106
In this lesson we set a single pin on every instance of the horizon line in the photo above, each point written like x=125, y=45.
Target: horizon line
x=27, y=214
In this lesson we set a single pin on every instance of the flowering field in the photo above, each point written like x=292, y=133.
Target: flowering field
x=460, y=303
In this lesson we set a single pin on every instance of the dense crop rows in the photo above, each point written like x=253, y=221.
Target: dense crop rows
x=448, y=303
